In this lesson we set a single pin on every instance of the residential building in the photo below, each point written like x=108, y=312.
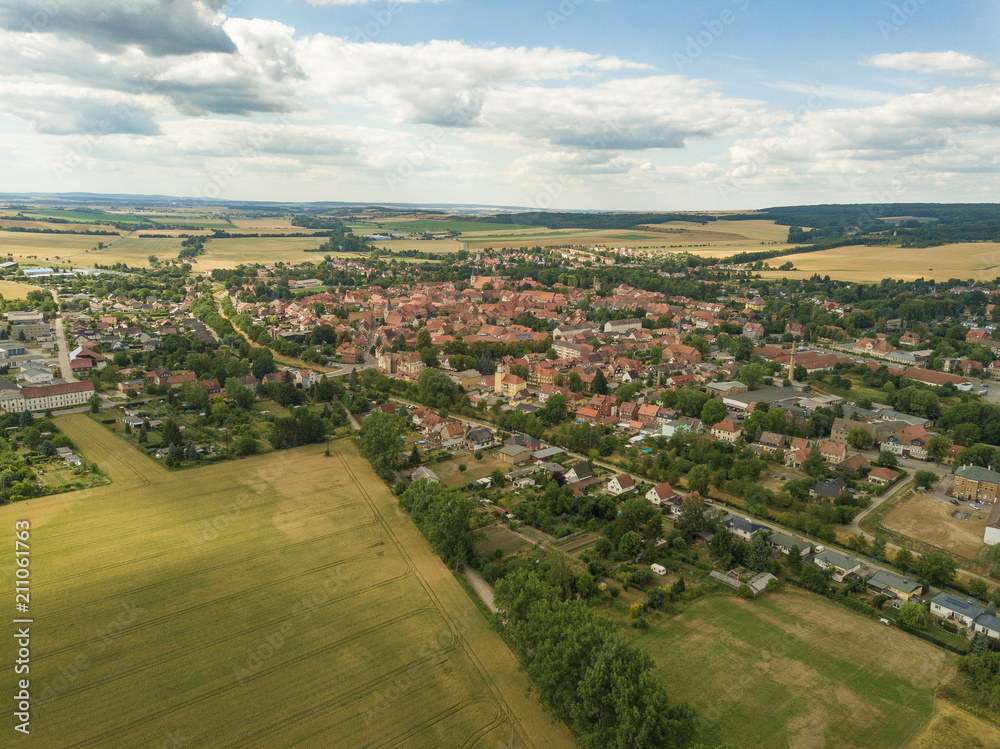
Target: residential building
x=842, y=427
x=883, y=476
x=828, y=488
x=893, y=585
x=976, y=483
x=743, y=528
x=965, y=612
x=727, y=431
x=621, y=484
x=661, y=494
x=514, y=454
x=841, y=564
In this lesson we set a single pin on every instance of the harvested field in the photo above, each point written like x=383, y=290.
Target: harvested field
x=792, y=669
x=280, y=600
x=14, y=290
x=976, y=260
x=952, y=726
x=923, y=518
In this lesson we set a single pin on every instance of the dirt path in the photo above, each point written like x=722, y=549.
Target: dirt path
x=482, y=589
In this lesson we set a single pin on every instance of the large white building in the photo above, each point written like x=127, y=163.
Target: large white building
x=48, y=397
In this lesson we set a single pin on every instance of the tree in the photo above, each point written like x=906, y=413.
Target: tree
x=171, y=433
x=978, y=588
x=937, y=447
x=904, y=560
x=926, y=478
x=751, y=375
x=713, y=412
x=760, y=552
x=94, y=402
x=887, y=459
x=621, y=704
x=478, y=455
x=860, y=439
x=878, y=547
x=914, y=615
x=698, y=479
x=814, y=578
x=423, y=338
x=879, y=601
x=630, y=544
x=599, y=385
x=575, y=383
x=794, y=559
x=380, y=442
x=938, y=569
x=692, y=517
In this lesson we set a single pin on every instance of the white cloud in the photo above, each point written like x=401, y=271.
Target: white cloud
x=159, y=27
x=949, y=63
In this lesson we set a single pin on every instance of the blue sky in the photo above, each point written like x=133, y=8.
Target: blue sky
x=578, y=104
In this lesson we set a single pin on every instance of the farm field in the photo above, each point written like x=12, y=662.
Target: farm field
x=46, y=247
x=281, y=600
x=979, y=261
x=14, y=290
x=922, y=518
x=793, y=670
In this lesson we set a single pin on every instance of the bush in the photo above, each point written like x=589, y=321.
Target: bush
x=879, y=601
x=615, y=591
x=948, y=626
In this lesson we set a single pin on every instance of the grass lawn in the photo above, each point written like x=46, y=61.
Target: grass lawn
x=283, y=600
x=793, y=670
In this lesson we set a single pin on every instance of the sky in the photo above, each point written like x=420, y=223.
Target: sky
x=540, y=104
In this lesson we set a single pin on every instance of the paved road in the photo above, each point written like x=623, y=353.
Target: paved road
x=482, y=589
x=65, y=369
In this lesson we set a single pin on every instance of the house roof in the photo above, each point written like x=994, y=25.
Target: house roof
x=664, y=490
x=582, y=471
x=883, y=579
x=964, y=606
x=835, y=558
x=625, y=481
x=978, y=473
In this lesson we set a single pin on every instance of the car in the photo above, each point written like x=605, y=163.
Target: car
x=954, y=503
x=975, y=507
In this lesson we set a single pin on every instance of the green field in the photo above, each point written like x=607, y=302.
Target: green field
x=794, y=670
x=283, y=600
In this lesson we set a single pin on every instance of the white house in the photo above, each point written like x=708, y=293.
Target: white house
x=661, y=494
x=841, y=564
x=621, y=484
